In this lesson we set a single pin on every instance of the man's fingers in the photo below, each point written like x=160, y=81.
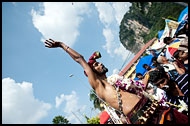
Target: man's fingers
x=48, y=43
x=47, y=46
x=51, y=40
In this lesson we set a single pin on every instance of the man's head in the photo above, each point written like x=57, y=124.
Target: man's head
x=154, y=60
x=139, y=76
x=159, y=78
x=147, y=67
x=167, y=40
x=162, y=59
x=180, y=55
x=97, y=67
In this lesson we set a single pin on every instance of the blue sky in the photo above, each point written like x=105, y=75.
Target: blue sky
x=35, y=80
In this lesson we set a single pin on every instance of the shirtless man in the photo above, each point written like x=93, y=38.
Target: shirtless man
x=98, y=79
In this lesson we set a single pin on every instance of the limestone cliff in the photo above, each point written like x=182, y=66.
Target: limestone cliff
x=144, y=20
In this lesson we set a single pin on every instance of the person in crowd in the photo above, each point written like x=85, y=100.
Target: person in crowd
x=169, y=40
x=184, y=30
x=139, y=76
x=181, y=61
x=147, y=67
x=163, y=61
x=154, y=62
x=170, y=67
x=181, y=58
x=175, y=89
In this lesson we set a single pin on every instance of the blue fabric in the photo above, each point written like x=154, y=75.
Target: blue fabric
x=160, y=34
x=181, y=19
x=143, y=60
x=184, y=12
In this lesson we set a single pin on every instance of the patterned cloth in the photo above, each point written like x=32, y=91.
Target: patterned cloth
x=165, y=115
x=138, y=106
x=162, y=115
x=182, y=82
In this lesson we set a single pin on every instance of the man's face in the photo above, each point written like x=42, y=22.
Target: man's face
x=140, y=77
x=100, y=68
x=183, y=55
x=148, y=67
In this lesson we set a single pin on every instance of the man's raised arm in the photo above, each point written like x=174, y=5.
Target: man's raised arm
x=75, y=56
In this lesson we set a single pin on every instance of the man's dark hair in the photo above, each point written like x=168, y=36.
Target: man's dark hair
x=166, y=39
x=154, y=76
x=154, y=59
x=139, y=74
x=157, y=74
x=144, y=65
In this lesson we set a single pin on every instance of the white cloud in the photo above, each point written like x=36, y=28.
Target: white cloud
x=105, y=12
x=19, y=104
x=120, y=9
x=59, y=100
x=71, y=105
x=60, y=20
x=122, y=52
x=109, y=36
x=111, y=14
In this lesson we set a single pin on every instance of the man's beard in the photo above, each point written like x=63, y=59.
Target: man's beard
x=104, y=71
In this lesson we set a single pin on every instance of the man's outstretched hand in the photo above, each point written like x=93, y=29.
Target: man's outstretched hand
x=52, y=44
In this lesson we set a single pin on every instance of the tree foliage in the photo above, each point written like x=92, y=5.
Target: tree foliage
x=96, y=100
x=60, y=120
x=93, y=120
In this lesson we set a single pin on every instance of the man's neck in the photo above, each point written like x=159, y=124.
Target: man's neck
x=103, y=77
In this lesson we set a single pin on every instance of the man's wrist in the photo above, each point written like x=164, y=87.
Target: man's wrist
x=65, y=47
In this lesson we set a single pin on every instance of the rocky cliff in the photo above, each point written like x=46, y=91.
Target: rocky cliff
x=144, y=20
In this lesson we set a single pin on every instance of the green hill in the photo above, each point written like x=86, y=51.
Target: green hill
x=144, y=20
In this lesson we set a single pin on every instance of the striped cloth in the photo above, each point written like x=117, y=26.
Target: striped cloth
x=182, y=82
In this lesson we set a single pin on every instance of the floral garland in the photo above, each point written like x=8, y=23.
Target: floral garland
x=126, y=84
x=137, y=88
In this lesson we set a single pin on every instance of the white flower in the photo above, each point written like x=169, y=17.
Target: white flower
x=126, y=81
x=184, y=106
x=159, y=94
x=127, y=86
x=113, y=78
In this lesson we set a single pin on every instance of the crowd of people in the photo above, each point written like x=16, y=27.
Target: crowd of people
x=169, y=76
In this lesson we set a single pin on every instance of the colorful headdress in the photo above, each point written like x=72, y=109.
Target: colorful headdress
x=92, y=59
